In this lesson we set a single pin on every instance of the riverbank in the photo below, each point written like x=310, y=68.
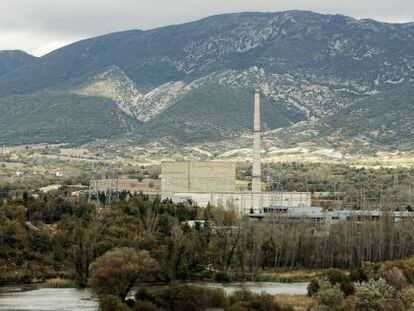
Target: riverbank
x=30, y=272
x=38, y=297
x=34, y=273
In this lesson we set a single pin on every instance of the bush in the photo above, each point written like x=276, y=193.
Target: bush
x=393, y=277
x=143, y=295
x=239, y=306
x=329, y=297
x=407, y=298
x=112, y=303
x=244, y=299
x=141, y=305
x=406, y=266
x=189, y=298
x=358, y=275
x=313, y=287
x=374, y=295
x=221, y=277
x=334, y=276
x=242, y=294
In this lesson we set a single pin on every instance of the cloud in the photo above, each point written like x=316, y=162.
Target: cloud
x=42, y=25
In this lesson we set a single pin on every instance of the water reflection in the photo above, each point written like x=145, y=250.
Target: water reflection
x=33, y=298
x=30, y=298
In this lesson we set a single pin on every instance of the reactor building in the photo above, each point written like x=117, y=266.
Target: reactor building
x=214, y=182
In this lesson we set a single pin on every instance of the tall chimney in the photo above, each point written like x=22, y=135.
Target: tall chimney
x=257, y=170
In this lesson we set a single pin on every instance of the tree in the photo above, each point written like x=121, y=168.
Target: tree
x=118, y=270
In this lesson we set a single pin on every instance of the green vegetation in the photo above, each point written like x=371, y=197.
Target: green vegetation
x=374, y=295
x=70, y=235
x=212, y=113
x=10, y=60
x=334, y=277
x=142, y=239
x=119, y=270
x=343, y=185
x=60, y=118
x=377, y=286
x=329, y=297
x=194, y=298
x=383, y=119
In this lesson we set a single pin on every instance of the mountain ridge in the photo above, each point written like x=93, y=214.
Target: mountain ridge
x=310, y=67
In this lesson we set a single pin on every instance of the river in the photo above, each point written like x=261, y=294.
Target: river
x=34, y=298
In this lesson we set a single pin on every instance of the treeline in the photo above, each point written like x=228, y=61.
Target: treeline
x=341, y=245
x=64, y=237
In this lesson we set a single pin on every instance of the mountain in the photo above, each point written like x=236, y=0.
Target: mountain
x=192, y=83
x=388, y=119
x=10, y=60
x=60, y=118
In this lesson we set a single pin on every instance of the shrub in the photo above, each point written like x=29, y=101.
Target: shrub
x=407, y=298
x=141, y=305
x=189, y=298
x=239, y=306
x=393, y=277
x=221, y=277
x=406, y=266
x=242, y=294
x=112, y=303
x=329, y=297
x=313, y=287
x=358, y=275
x=144, y=295
x=374, y=295
x=244, y=299
x=334, y=276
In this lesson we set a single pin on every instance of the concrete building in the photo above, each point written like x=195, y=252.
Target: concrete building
x=245, y=202
x=320, y=216
x=196, y=177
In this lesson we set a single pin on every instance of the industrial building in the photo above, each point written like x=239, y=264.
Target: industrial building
x=214, y=181
x=244, y=202
x=318, y=215
x=195, y=177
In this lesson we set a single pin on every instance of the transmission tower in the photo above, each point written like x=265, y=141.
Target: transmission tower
x=112, y=182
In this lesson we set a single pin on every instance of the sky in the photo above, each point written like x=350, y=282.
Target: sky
x=40, y=26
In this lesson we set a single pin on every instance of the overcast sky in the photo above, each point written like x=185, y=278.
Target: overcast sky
x=40, y=26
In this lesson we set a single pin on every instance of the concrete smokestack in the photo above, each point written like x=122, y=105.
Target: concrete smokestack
x=257, y=169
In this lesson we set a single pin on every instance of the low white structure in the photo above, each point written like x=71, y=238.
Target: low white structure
x=317, y=214
x=244, y=202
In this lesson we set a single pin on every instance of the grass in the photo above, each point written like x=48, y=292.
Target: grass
x=298, y=302
x=60, y=283
x=289, y=275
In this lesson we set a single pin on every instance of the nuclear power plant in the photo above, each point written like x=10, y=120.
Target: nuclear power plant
x=214, y=182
